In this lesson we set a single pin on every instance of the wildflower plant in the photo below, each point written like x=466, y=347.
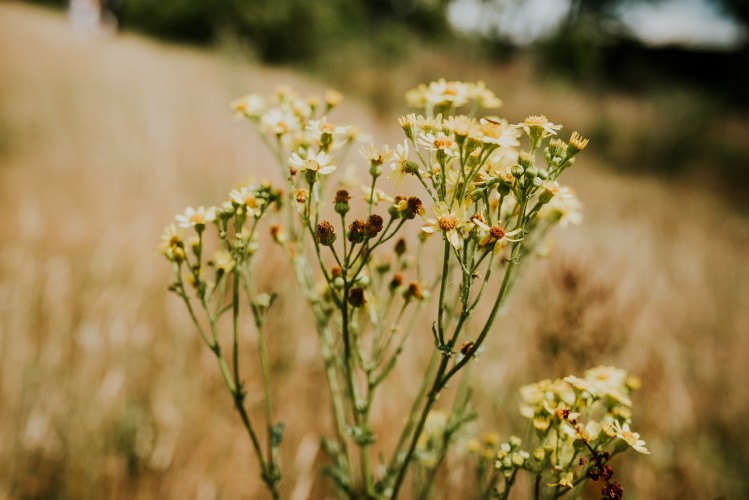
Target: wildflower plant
x=489, y=193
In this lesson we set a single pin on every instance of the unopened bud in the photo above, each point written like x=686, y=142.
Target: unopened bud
x=342, y=202
x=356, y=297
x=400, y=247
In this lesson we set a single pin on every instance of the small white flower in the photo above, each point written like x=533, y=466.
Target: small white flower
x=319, y=163
x=194, y=217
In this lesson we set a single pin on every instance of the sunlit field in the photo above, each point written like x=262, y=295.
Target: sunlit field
x=106, y=390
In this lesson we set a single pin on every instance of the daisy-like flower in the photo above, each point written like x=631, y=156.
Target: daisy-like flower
x=313, y=165
x=538, y=127
x=251, y=106
x=285, y=93
x=623, y=432
x=377, y=195
x=449, y=222
x=246, y=196
x=444, y=93
x=374, y=155
x=407, y=123
x=302, y=109
x=300, y=197
x=223, y=261
x=401, y=164
x=278, y=122
x=460, y=126
x=496, y=235
x=429, y=125
x=321, y=127
x=499, y=132
x=172, y=246
x=196, y=217
x=332, y=98
x=565, y=207
x=483, y=96
x=441, y=143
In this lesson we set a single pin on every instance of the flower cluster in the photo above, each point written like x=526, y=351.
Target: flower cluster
x=580, y=424
x=489, y=192
x=229, y=233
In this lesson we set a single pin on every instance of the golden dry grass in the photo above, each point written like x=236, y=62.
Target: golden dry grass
x=105, y=390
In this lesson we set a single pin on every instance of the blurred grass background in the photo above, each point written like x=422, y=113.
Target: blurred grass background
x=105, y=390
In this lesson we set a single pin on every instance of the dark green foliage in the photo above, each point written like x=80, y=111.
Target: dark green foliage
x=287, y=30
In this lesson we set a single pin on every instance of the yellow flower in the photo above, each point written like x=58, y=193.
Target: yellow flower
x=538, y=127
x=564, y=207
x=401, y=165
x=251, y=106
x=497, y=131
x=223, y=261
x=448, y=221
x=196, y=217
x=316, y=163
x=496, y=234
x=276, y=121
x=565, y=479
x=623, y=432
x=245, y=196
x=440, y=143
x=376, y=156
x=483, y=96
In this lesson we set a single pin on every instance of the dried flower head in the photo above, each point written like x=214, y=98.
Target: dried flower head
x=325, y=233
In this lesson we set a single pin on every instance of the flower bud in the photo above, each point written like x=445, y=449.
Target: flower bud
x=413, y=292
x=400, y=247
x=342, y=202
x=517, y=171
x=550, y=189
x=557, y=148
x=356, y=297
x=526, y=160
x=375, y=169
x=396, y=282
x=577, y=143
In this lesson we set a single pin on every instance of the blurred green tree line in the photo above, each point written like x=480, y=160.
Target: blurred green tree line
x=283, y=30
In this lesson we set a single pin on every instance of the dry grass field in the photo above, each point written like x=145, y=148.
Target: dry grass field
x=105, y=389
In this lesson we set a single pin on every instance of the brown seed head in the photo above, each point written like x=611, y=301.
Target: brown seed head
x=356, y=297
x=497, y=232
x=325, y=233
x=374, y=225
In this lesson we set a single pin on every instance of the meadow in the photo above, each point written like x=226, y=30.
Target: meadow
x=105, y=390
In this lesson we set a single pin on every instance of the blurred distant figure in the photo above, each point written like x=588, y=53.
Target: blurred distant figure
x=95, y=16
x=85, y=15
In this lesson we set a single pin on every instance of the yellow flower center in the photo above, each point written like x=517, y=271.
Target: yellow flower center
x=497, y=232
x=630, y=438
x=197, y=218
x=442, y=143
x=447, y=222
x=536, y=120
